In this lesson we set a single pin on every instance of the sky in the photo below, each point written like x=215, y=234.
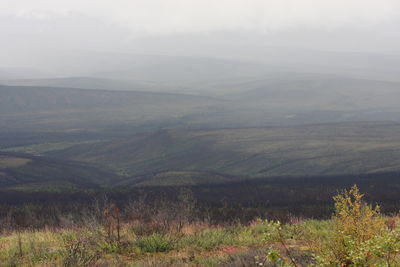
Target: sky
x=160, y=17
x=195, y=27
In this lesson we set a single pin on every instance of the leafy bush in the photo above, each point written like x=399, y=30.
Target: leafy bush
x=357, y=235
x=360, y=236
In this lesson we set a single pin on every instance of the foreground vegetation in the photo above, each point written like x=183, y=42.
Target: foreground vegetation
x=170, y=235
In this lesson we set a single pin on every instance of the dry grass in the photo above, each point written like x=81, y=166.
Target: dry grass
x=356, y=233
x=195, y=244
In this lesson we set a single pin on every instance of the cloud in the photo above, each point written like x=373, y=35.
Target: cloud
x=163, y=17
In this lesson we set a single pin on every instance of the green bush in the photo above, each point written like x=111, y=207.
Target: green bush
x=357, y=235
x=360, y=236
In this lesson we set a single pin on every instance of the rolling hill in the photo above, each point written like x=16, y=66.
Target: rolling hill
x=316, y=91
x=24, y=172
x=19, y=99
x=299, y=98
x=264, y=127
x=274, y=100
x=325, y=149
x=64, y=109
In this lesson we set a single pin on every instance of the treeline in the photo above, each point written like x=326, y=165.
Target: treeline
x=273, y=198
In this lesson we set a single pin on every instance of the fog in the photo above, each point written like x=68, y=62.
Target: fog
x=58, y=38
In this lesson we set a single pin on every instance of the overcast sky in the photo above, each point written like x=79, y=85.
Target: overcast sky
x=180, y=26
x=154, y=17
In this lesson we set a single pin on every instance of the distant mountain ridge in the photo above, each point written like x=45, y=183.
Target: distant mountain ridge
x=82, y=83
x=30, y=98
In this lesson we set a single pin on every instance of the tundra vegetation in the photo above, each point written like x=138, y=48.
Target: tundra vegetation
x=168, y=233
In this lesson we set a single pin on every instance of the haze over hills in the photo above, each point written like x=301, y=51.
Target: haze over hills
x=41, y=99
x=153, y=68
x=144, y=138
x=84, y=82
x=20, y=73
x=280, y=99
x=226, y=60
x=44, y=109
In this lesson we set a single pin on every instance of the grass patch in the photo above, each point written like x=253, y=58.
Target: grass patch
x=155, y=243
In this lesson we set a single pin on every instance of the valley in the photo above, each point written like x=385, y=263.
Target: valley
x=173, y=157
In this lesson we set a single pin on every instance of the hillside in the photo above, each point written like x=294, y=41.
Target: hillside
x=19, y=99
x=328, y=92
x=55, y=109
x=271, y=100
x=23, y=172
x=347, y=148
x=296, y=98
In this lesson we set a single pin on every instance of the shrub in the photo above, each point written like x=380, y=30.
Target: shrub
x=78, y=253
x=360, y=236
